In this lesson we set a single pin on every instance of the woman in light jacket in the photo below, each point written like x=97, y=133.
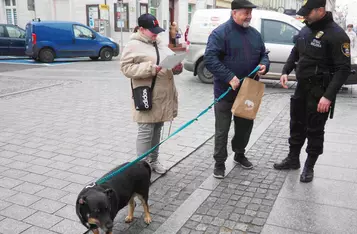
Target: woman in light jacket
x=138, y=62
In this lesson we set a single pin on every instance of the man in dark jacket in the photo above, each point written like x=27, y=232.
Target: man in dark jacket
x=233, y=50
x=322, y=53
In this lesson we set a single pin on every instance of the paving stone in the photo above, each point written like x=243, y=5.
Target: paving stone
x=34, y=178
x=29, y=188
x=5, y=193
x=55, y=183
x=4, y=204
x=68, y=227
x=43, y=220
x=23, y=199
x=11, y=226
x=37, y=230
x=9, y=183
x=68, y=212
x=48, y=206
x=17, y=212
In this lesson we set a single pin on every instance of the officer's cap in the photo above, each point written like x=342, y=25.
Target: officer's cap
x=309, y=5
x=239, y=4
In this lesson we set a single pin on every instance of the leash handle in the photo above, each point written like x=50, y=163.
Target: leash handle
x=104, y=179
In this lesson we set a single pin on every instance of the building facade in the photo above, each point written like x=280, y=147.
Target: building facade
x=88, y=11
x=113, y=17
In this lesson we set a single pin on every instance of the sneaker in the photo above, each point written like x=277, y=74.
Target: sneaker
x=158, y=167
x=218, y=173
x=243, y=161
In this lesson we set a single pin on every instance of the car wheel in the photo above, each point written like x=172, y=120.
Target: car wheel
x=94, y=58
x=106, y=54
x=46, y=55
x=203, y=74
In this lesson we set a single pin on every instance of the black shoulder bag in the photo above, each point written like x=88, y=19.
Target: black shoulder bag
x=142, y=95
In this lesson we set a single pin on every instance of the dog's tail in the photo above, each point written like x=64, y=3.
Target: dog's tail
x=147, y=165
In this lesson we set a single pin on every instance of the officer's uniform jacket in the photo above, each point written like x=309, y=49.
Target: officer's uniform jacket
x=321, y=47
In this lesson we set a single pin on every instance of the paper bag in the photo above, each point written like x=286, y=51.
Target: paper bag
x=247, y=102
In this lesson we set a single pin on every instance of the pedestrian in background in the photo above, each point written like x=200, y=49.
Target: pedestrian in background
x=234, y=49
x=173, y=33
x=352, y=35
x=139, y=62
x=322, y=54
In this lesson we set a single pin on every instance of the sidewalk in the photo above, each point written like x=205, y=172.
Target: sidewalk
x=268, y=201
x=55, y=140
x=328, y=204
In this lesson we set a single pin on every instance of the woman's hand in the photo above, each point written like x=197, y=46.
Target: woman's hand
x=158, y=69
x=177, y=69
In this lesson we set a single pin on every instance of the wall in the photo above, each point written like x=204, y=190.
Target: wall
x=2, y=12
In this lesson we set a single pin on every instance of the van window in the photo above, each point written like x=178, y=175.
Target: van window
x=82, y=32
x=14, y=32
x=278, y=32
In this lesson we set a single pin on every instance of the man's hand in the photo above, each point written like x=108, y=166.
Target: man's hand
x=262, y=69
x=234, y=83
x=284, y=80
x=324, y=105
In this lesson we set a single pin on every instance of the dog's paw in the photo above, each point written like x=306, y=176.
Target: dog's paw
x=129, y=219
x=147, y=219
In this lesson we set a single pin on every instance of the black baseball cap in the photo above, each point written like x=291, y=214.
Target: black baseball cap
x=239, y=4
x=309, y=5
x=150, y=22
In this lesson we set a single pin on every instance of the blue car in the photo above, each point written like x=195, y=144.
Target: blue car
x=47, y=40
x=12, y=40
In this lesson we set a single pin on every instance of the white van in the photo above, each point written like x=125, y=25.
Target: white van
x=277, y=30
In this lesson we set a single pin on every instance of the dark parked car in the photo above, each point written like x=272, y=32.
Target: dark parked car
x=12, y=40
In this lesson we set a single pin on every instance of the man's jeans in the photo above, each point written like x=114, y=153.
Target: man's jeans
x=242, y=130
x=148, y=136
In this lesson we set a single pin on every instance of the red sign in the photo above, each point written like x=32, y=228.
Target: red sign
x=118, y=15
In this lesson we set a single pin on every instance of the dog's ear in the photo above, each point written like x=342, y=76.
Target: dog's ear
x=109, y=192
x=82, y=200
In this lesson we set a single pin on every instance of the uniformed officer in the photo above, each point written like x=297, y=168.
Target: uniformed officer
x=321, y=59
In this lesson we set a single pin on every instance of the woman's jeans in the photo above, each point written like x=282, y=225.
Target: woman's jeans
x=148, y=136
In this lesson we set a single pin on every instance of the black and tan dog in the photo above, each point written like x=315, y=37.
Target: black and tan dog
x=98, y=204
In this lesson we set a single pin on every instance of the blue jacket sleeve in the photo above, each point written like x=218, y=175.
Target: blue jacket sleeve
x=215, y=47
x=264, y=58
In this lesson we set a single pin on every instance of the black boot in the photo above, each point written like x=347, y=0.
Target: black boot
x=290, y=162
x=307, y=174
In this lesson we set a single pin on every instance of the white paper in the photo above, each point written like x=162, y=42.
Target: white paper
x=172, y=60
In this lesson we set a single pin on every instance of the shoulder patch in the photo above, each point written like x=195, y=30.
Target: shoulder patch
x=345, y=48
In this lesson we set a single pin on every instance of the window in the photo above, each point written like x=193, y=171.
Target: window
x=15, y=32
x=10, y=10
x=153, y=11
x=143, y=8
x=121, y=17
x=93, y=13
x=191, y=10
x=278, y=32
x=82, y=32
x=2, y=31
